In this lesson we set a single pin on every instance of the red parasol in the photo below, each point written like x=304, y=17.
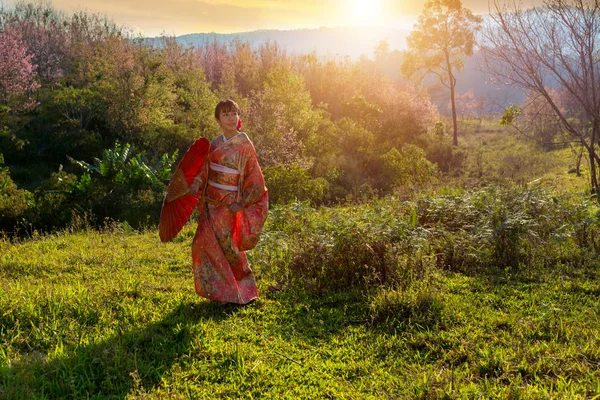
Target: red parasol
x=178, y=204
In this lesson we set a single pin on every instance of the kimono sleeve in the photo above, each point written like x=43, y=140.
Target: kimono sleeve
x=250, y=221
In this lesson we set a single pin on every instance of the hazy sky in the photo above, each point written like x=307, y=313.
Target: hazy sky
x=178, y=17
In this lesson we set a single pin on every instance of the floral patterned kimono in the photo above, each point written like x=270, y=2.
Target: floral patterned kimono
x=230, y=174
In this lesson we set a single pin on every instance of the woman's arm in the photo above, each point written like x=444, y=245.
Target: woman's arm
x=255, y=208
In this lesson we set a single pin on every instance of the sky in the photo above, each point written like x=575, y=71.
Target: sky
x=178, y=17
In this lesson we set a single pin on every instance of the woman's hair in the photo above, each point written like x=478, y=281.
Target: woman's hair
x=226, y=106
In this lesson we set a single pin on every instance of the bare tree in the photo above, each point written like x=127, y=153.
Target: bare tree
x=554, y=46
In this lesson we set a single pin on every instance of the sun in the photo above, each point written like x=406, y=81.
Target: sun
x=362, y=12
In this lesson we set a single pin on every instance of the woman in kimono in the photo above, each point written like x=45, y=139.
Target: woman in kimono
x=233, y=208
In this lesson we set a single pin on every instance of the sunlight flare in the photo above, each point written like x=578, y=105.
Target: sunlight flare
x=363, y=12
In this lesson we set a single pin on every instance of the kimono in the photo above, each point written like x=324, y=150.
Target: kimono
x=230, y=174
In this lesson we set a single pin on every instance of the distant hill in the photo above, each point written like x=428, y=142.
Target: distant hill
x=343, y=41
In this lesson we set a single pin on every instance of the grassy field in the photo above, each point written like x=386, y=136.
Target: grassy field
x=113, y=314
x=493, y=152
x=490, y=292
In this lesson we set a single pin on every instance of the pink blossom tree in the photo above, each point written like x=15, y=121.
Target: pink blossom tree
x=17, y=72
x=43, y=30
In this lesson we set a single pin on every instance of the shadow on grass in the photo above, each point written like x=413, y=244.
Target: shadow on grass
x=114, y=367
x=315, y=318
x=140, y=359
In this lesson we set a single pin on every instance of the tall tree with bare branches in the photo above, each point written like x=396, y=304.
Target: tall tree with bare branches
x=442, y=37
x=552, y=50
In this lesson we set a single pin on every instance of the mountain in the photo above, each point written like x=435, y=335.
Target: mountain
x=343, y=41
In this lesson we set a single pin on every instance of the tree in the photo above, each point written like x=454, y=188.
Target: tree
x=442, y=37
x=282, y=118
x=553, y=46
x=17, y=72
x=43, y=30
x=382, y=51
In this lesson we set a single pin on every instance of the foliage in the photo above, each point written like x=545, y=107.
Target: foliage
x=439, y=150
x=509, y=115
x=540, y=121
x=44, y=32
x=99, y=85
x=118, y=165
x=336, y=124
x=293, y=183
x=60, y=201
x=14, y=202
x=360, y=110
x=409, y=167
x=121, y=185
x=467, y=105
x=282, y=118
x=396, y=243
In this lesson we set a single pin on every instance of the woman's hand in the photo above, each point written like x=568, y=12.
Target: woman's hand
x=236, y=207
x=194, y=188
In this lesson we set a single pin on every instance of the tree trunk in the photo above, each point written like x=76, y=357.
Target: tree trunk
x=452, y=84
x=592, y=153
x=578, y=164
x=593, y=178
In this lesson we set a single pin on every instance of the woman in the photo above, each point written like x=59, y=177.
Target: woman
x=233, y=208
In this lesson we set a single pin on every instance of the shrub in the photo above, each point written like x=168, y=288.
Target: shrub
x=58, y=200
x=339, y=249
x=14, y=202
x=409, y=167
x=291, y=183
x=498, y=227
x=122, y=186
x=439, y=149
x=397, y=245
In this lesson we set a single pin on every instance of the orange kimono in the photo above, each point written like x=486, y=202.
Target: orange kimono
x=230, y=174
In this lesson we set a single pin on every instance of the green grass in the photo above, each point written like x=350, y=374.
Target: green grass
x=496, y=152
x=114, y=315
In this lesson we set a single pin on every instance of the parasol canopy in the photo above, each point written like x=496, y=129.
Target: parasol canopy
x=178, y=203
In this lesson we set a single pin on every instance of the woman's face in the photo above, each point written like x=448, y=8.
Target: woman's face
x=228, y=121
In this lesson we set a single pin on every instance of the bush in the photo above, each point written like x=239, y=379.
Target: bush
x=498, y=227
x=398, y=245
x=58, y=200
x=120, y=186
x=293, y=183
x=439, y=149
x=409, y=167
x=338, y=249
x=14, y=202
